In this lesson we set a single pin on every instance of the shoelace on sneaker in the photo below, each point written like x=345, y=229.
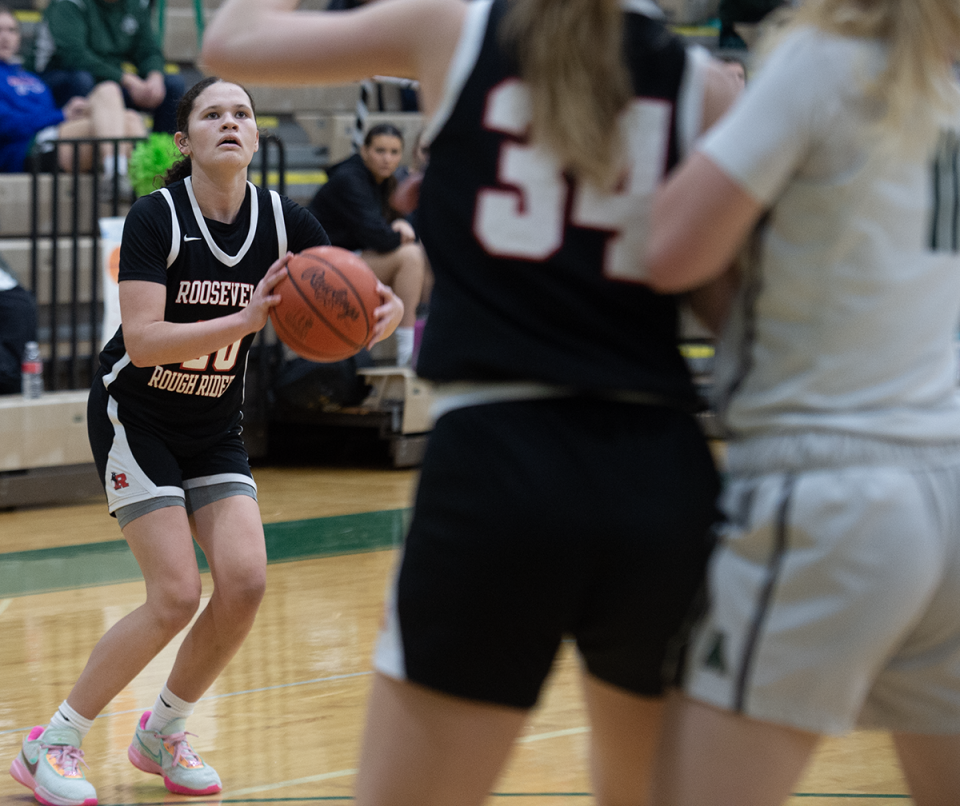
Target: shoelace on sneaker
x=181, y=747
x=68, y=757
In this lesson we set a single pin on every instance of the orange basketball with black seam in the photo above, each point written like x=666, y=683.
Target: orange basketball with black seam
x=328, y=297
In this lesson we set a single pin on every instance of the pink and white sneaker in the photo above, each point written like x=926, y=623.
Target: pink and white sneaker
x=167, y=752
x=49, y=765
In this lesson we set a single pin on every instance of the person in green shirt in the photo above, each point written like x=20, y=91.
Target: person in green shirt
x=80, y=43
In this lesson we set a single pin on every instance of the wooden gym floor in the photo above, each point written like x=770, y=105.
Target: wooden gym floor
x=282, y=723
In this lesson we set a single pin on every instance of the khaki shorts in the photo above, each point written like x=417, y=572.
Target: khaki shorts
x=835, y=599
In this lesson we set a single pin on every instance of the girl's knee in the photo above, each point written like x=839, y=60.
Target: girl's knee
x=133, y=124
x=243, y=593
x=412, y=252
x=108, y=92
x=175, y=606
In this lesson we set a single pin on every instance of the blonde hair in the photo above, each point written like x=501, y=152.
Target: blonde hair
x=570, y=54
x=917, y=86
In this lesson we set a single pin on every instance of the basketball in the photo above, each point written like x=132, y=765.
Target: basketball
x=328, y=297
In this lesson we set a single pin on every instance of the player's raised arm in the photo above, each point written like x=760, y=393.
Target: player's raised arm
x=674, y=262
x=269, y=41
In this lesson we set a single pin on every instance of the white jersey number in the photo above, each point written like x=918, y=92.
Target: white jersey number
x=526, y=218
x=223, y=360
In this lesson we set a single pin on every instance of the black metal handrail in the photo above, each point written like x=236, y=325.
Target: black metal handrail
x=74, y=361
x=80, y=332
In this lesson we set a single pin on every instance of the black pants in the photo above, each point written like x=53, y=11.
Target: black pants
x=18, y=325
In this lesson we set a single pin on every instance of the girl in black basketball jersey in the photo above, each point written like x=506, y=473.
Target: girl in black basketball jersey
x=566, y=489
x=198, y=263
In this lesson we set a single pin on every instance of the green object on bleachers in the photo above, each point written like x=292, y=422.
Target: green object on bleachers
x=151, y=158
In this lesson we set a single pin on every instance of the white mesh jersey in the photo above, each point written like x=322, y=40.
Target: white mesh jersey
x=848, y=311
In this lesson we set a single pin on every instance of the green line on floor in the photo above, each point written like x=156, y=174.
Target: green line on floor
x=66, y=567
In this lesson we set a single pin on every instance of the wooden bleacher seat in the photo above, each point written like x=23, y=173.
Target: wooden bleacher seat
x=15, y=204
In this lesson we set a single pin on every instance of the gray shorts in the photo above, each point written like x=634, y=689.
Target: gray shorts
x=835, y=597
x=194, y=499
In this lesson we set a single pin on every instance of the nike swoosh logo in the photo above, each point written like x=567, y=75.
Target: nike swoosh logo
x=191, y=238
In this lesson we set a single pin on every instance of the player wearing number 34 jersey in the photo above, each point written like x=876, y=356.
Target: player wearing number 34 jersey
x=566, y=487
x=511, y=210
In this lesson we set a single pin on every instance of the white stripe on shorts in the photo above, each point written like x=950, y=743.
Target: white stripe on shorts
x=388, y=657
x=124, y=480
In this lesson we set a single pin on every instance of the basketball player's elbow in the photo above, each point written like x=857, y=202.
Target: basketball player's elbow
x=141, y=359
x=139, y=352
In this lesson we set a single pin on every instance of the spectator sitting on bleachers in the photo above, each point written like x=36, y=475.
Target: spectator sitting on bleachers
x=353, y=207
x=18, y=325
x=81, y=43
x=29, y=115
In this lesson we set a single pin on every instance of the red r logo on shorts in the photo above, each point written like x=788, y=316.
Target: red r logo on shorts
x=119, y=480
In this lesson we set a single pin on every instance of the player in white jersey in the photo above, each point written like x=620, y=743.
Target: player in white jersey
x=835, y=592
x=198, y=263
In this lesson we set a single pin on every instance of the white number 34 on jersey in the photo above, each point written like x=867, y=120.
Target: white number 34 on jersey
x=528, y=218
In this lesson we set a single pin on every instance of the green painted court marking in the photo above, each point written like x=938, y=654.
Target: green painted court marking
x=43, y=570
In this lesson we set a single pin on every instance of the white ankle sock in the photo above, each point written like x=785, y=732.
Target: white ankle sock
x=167, y=708
x=66, y=717
x=404, y=346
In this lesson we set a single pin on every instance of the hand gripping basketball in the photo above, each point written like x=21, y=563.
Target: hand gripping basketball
x=328, y=298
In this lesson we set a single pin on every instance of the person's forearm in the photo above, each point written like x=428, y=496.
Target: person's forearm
x=173, y=342
x=237, y=24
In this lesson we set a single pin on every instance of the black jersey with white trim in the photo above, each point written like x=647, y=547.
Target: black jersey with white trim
x=210, y=269
x=537, y=276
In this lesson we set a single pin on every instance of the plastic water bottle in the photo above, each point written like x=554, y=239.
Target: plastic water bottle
x=32, y=370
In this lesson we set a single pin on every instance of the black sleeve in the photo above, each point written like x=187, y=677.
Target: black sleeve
x=303, y=229
x=358, y=205
x=146, y=241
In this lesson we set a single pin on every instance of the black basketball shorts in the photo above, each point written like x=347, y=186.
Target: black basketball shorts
x=536, y=520
x=139, y=462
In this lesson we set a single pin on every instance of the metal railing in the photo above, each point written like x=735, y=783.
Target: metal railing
x=70, y=346
x=69, y=331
